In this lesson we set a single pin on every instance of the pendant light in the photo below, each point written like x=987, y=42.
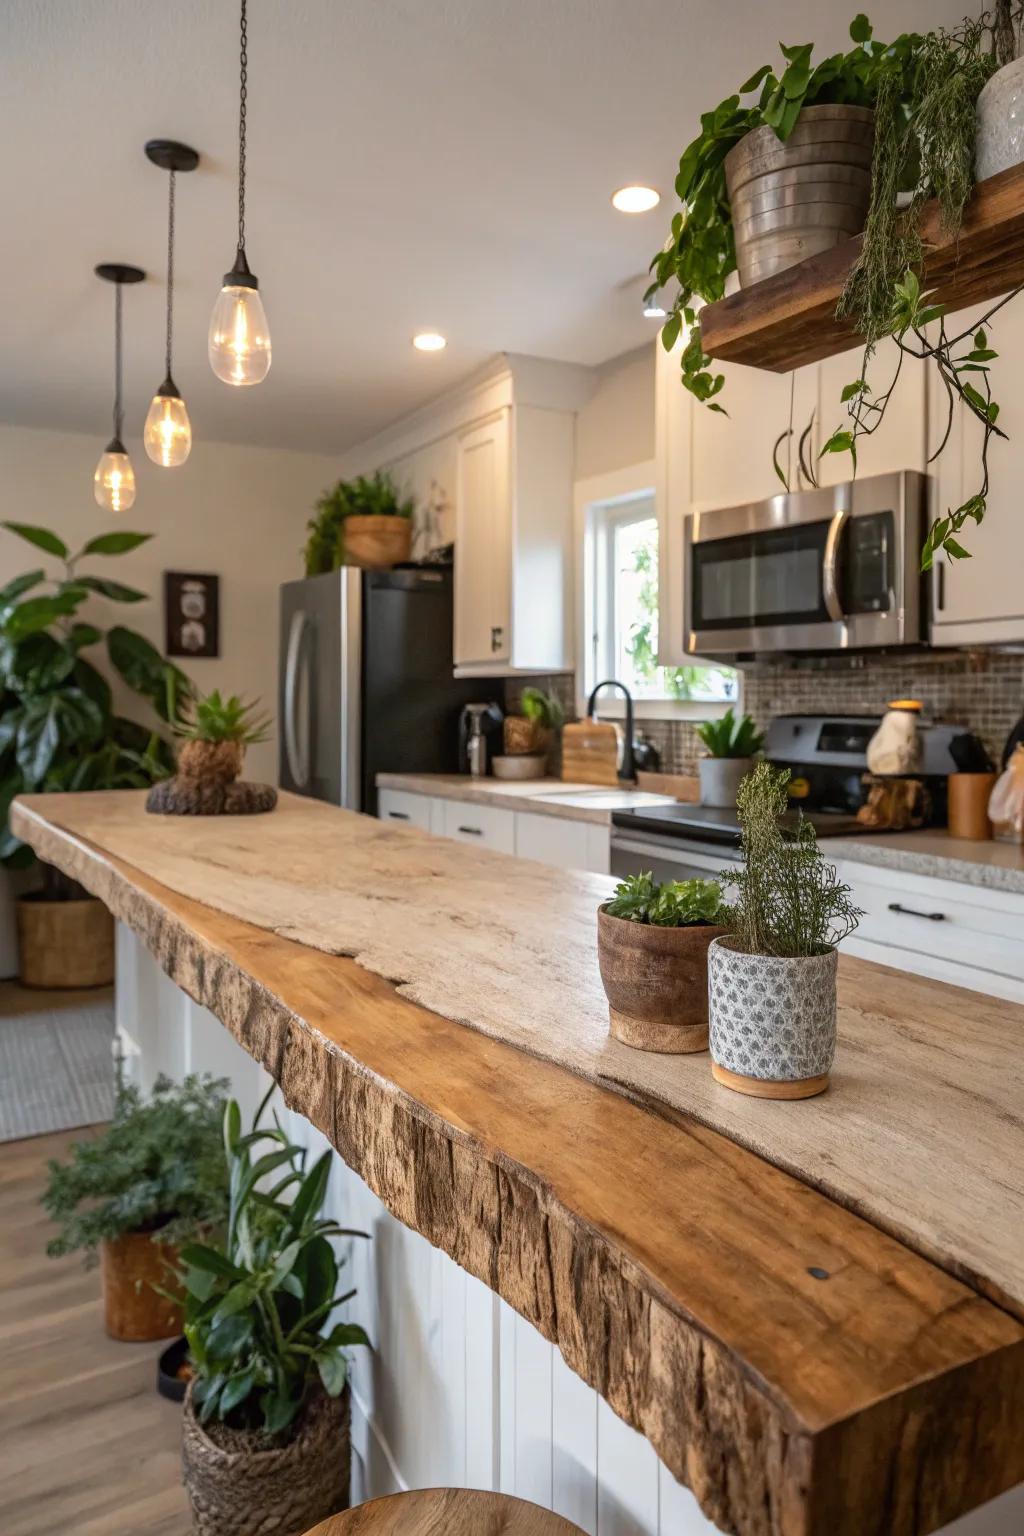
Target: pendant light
x=239, y=341
x=168, y=431
x=113, y=484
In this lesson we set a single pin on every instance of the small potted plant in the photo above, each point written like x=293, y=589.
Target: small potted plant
x=652, y=947
x=772, y=979
x=214, y=737
x=266, y=1417
x=152, y=1179
x=528, y=736
x=366, y=521
x=732, y=746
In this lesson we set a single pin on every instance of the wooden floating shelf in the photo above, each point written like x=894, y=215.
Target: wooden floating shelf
x=789, y=319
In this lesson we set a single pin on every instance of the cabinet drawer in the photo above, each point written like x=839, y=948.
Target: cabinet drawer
x=483, y=825
x=939, y=919
x=398, y=805
x=561, y=841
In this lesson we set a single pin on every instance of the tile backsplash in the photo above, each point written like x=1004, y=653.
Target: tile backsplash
x=983, y=690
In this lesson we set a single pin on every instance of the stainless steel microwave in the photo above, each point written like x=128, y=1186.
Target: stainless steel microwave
x=824, y=570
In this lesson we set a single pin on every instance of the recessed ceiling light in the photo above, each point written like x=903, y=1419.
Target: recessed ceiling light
x=635, y=199
x=429, y=341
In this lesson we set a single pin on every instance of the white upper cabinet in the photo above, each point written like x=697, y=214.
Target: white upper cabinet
x=981, y=600
x=483, y=527
x=901, y=440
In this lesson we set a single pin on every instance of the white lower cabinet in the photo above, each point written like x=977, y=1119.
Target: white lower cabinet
x=411, y=810
x=566, y=844
x=557, y=840
x=485, y=826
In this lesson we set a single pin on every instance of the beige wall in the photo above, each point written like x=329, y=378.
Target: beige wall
x=239, y=512
x=615, y=427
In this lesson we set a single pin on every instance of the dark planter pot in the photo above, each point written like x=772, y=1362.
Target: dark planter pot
x=237, y=1488
x=170, y=1383
x=656, y=981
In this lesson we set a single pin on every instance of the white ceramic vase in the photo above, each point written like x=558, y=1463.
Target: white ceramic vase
x=720, y=779
x=1000, y=135
x=772, y=1021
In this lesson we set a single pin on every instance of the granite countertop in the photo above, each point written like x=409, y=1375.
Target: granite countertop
x=549, y=797
x=997, y=866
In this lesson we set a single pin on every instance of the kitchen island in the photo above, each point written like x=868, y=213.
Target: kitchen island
x=810, y=1344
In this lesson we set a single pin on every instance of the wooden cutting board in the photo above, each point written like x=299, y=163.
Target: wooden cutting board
x=590, y=752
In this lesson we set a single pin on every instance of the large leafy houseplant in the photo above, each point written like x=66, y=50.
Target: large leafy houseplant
x=258, y=1303
x=375, y=495
x=157, y=1168
x=58, y=726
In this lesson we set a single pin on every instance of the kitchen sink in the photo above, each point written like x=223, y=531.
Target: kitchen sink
x=602, y=799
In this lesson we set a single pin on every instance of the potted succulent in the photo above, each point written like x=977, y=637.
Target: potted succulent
x=366, y=521
x=59, y=731
x=152, y=1179
x=732, y=746
x=652, y=947
x=214, y=736
x=266, y=1418
x=772, y=979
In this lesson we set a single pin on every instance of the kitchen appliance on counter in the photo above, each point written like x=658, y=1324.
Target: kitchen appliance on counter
x=480, y=737
x=826, y=756
x=366, y=681
x=808, y=571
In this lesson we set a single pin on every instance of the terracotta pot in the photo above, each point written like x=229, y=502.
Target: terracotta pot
x=133, y=1310
x=656, y=982
x=376, y=542
x=792, y=200
x=720, y=779
x=772, y=1021
x=65, y=943
x=237, y=1488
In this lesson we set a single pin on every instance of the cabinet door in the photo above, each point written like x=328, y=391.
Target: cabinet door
x=732, y=455
x=483, y=520
x=982, y=599
x=900, y=441
x=401, y=806
x=563, y=842
x=484, y=826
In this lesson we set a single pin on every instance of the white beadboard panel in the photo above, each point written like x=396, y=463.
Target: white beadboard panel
x=627, y=1478
x=574, y=1446
x=533, y=1436
x=678, y=1511
x=451, y=1368
x=483, y=1403
x=507, y=1324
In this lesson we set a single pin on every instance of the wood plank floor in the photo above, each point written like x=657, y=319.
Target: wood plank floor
x=87, y=1447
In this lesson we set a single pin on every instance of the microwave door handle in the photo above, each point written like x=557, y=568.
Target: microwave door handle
x=830, y=566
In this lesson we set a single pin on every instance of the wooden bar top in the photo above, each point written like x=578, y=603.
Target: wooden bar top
x=801, y=1370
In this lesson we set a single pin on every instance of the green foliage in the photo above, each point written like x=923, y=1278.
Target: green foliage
x=58, y=730
x=699, y=253
x=211, y=718
x=159, y=1167
x=257, y=1304
x=542, y=707
x=374, y=495
x=676, y=904
x=729, y=737
x=790, y=901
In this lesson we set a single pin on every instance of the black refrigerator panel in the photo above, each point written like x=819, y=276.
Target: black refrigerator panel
x=411, y=702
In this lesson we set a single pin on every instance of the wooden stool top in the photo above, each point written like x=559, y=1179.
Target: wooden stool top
x=447, y=1512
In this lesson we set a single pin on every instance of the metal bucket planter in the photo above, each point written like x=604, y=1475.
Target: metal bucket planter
x=772, y=1021
x=720, y=779
x=792, y=200
x=1000, y=136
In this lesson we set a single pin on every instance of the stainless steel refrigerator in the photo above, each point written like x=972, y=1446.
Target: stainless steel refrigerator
x=366, y=681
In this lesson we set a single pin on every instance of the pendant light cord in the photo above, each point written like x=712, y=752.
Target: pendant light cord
x=118, y=330
x=170, y=271
x=243, y=93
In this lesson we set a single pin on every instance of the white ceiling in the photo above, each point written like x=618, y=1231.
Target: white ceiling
x=412, y=164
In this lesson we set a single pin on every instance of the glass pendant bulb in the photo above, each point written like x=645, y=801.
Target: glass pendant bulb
x=239, y=341
x=113, y=484
x=168, y=431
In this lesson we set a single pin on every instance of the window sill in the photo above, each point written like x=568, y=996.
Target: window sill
x=612, y=707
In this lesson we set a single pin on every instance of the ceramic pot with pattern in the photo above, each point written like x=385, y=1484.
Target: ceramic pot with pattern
x=999, y=142
x=772, y=1021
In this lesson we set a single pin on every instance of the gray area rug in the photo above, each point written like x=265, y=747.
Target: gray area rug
x=56, y=1061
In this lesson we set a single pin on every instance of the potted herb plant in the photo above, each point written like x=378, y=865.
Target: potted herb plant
x=267, y=1413
x=365, y=521
x=59, y=731
x=214, y=735
x=772, y=979
x=732, y=746
x=152, y=1179
x=540, y=715
x=652, y=947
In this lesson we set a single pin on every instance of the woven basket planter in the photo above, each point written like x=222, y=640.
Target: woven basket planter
x=281, y=1491
x=377, y=541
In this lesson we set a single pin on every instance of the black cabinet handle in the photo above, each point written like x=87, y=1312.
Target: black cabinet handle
x=473, y=831
x=933, y=917
x=497, y=635
x=399, y=815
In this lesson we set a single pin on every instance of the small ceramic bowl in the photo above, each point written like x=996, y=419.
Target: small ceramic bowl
x=524, y=765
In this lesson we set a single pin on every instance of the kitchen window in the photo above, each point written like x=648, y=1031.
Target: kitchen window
x=622, y=556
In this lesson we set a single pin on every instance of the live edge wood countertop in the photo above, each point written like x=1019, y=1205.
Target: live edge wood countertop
x=805, y=1372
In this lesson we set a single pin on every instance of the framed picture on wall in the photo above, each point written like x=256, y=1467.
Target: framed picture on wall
x=191, y=614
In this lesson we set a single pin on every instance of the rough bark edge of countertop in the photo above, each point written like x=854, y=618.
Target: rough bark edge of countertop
x=718, y=1429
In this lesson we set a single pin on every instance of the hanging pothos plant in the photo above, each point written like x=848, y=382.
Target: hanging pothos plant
x=924, y=90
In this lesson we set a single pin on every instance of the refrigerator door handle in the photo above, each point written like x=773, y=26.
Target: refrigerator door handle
x=297, y=753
